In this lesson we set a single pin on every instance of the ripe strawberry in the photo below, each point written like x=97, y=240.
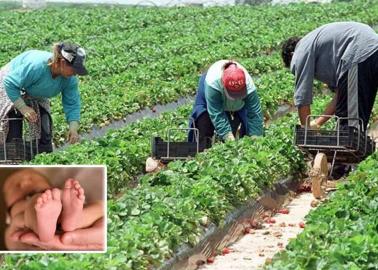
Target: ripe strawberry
x=271, y=220
x=283, y=211
x=210, y=260
x=301, y=225
x=225, y=251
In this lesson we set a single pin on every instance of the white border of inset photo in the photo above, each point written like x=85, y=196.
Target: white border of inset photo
x=105, y=210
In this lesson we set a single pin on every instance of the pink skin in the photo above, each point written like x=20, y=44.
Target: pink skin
x=73, y=201
x=62, y=68
x=22, y=183
x=48, y=208
x=83, y=239
x=87, y=238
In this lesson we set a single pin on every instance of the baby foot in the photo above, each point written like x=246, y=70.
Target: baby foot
x=48, y=208
x=73, y=201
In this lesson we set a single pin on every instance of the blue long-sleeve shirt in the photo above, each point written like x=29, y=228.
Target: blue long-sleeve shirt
x=218, y=103
x=30, y=72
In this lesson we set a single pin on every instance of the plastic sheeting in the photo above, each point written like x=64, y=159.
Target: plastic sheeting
x=216, y=238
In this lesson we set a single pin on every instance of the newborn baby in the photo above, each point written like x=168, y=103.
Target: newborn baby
x=33, y=204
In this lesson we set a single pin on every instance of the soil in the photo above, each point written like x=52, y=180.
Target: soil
x=259, y=246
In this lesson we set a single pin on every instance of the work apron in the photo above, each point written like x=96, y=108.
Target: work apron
x=6, y=105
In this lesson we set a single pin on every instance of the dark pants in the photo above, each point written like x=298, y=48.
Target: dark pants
x=206, y=128
x=366, y=84
x=16, y=127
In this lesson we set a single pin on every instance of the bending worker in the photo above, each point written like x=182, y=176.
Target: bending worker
x=30, y=79
x=343, y=55
x=226, y=100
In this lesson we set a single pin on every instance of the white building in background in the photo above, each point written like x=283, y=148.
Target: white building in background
x=34, y=4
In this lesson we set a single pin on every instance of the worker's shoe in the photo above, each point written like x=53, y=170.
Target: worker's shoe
x=340, y=171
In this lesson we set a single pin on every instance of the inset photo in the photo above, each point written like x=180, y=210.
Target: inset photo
x=53, y=208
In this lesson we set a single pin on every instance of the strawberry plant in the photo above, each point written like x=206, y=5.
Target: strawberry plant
x=126, y=160
x=149, y=223
x=139, y=57
x=341, y=233
x=168, y=207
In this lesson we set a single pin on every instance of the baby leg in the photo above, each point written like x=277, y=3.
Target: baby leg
x=42, y=219
x=73, y=201
x=91, y=213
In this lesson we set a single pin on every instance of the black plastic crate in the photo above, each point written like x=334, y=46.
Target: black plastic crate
x=176, y=149
x=32, y=151
x=349, y=139
x=18, y=150
x=13, y=150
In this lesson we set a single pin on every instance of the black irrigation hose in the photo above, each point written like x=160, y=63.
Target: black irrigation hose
x=98, y=132
x=216, y=238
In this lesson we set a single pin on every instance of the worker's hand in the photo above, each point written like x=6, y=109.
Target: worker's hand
x=314, y=125
x=73, y=134
x=29, y=114
x=25, y=110
x=91, y=238
x=230, y=137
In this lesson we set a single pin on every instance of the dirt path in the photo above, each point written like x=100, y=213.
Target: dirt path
x=251, y=251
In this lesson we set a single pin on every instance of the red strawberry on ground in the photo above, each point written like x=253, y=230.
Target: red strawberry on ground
x=210, y=260
x=283, y=211
x=225, y=251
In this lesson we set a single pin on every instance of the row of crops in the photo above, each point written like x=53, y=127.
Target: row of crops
x=125, y=160
x=144, y=56
x=141, y=57
x=149, y=223
x=342, y=233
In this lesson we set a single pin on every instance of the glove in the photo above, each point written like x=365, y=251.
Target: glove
x=73, y=135
x=314, y=125
x=25, y=110
x=229, y=137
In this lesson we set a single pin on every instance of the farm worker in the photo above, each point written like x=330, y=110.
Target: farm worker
x=343, y=55
x=226, y=100
x=30, y=79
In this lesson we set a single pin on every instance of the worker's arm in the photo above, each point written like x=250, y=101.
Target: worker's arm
x=330, y=110
x=71, y=107
x=71, y=100
x=303, y=67
x=254, y=115
x=303, y=112
x=216, y=112
x=20, y=77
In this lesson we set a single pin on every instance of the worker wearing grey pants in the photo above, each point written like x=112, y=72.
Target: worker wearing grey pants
x=343, y=55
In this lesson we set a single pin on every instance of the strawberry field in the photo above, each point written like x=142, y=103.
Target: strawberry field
x=342, y=234
x=141, y=57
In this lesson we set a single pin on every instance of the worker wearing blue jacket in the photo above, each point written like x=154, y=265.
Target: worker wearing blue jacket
x=226, y=100
x=31, y=78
